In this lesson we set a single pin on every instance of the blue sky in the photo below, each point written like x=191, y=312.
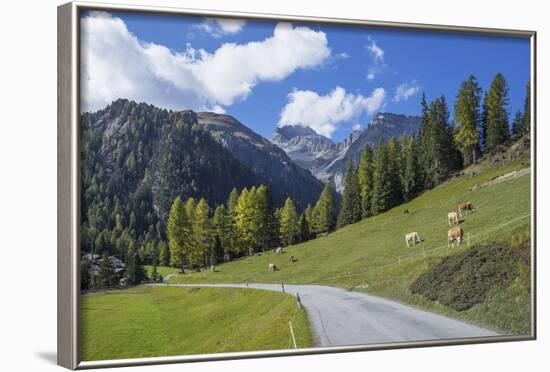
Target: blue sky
x=329, y=77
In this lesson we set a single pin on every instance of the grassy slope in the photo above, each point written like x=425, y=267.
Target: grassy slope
x=161, y=321
x=371, y=249
x=162, y=270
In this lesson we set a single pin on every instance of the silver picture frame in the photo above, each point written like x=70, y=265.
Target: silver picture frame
x=68, y=181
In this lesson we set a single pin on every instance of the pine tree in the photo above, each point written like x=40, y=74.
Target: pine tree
x=382, y=180
x=290, y=229
x=497, y=131
x=308, y=215
x=244, y=215
x=154, y=271
x=440, y=156
x=365, y=175
x=178, y=231
x=85, y=274
x=199, y=256
x=518, y=125
x=164, y=254
x=304, y=229
x=324, y=213
x=467, y=118
x=411, y=178
x=266, y=236
x=394, y=162
x=231, y=212
x=135, y=271
x=221, y=228
x=106, y=273
x=527, y=107
x=350, y=212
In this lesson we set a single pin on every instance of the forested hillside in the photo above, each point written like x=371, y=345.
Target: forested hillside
x=135, y=160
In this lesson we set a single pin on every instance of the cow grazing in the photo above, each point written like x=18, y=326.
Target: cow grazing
x=466, y=207
x=406, y=211
x=291, y=258
x=455, y=234
x=452, y=218
x=279, y=250
x=413, y=237
x=272, y=267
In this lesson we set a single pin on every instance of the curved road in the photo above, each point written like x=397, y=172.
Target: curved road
x=342, y=318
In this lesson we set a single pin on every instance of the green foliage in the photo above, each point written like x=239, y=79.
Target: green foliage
x=411, y=172
x=465, y=279
x=200, y=251
x=467, y=118
x=324, y=213
x=85, y=274
x=350, y=212
x=135, y=271
x=518, y=125
x=106, y=274
x=178, y=231
x=365, y=172
x=290, y=225
x=496, y=115
x=164, y=254
x=527, y=107
x=439, y=155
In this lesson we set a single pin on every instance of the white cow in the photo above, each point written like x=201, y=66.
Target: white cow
x=452, y=218
x=413, y=237
x=279, y=250
x=272, y=267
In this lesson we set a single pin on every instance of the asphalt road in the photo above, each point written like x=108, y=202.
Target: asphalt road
x=342, y=318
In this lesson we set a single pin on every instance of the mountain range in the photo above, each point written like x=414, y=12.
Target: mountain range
x=327, y=160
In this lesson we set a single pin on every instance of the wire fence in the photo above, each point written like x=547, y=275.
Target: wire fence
x=421, y=254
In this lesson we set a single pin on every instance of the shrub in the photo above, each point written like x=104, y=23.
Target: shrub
x=465, y=279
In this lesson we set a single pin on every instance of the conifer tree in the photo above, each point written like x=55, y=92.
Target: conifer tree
x=411, y=173
x=201, y=229
x=394, y=163
x=497, y=115
x=350, y=212
x=290, y=228
x=518, y=124
x=244, y=215
x=382, y=180
x=365, y=175
x=324, y=213
x=304, y=229
x=467, y=119
x=164, y=254
x=135, y=272
x=527, y=107
x=308, y=215
x=106, y=273
x=178, y=231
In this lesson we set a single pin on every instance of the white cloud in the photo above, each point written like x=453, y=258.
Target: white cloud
x=324, y=113
x=378, y=64
x=405, y=91
x=356, y=127
x=375, y=51
x=218, y=27
x=116, y=64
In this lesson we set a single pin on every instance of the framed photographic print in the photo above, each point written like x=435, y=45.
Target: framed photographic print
x=235, y=185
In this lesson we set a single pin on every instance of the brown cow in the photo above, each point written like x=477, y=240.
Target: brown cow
x=467, y=207
x=455, y=234
x=413, y=237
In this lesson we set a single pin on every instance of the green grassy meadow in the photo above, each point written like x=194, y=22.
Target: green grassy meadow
x=372, y=256
x=148, y=321
x=162, y=270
